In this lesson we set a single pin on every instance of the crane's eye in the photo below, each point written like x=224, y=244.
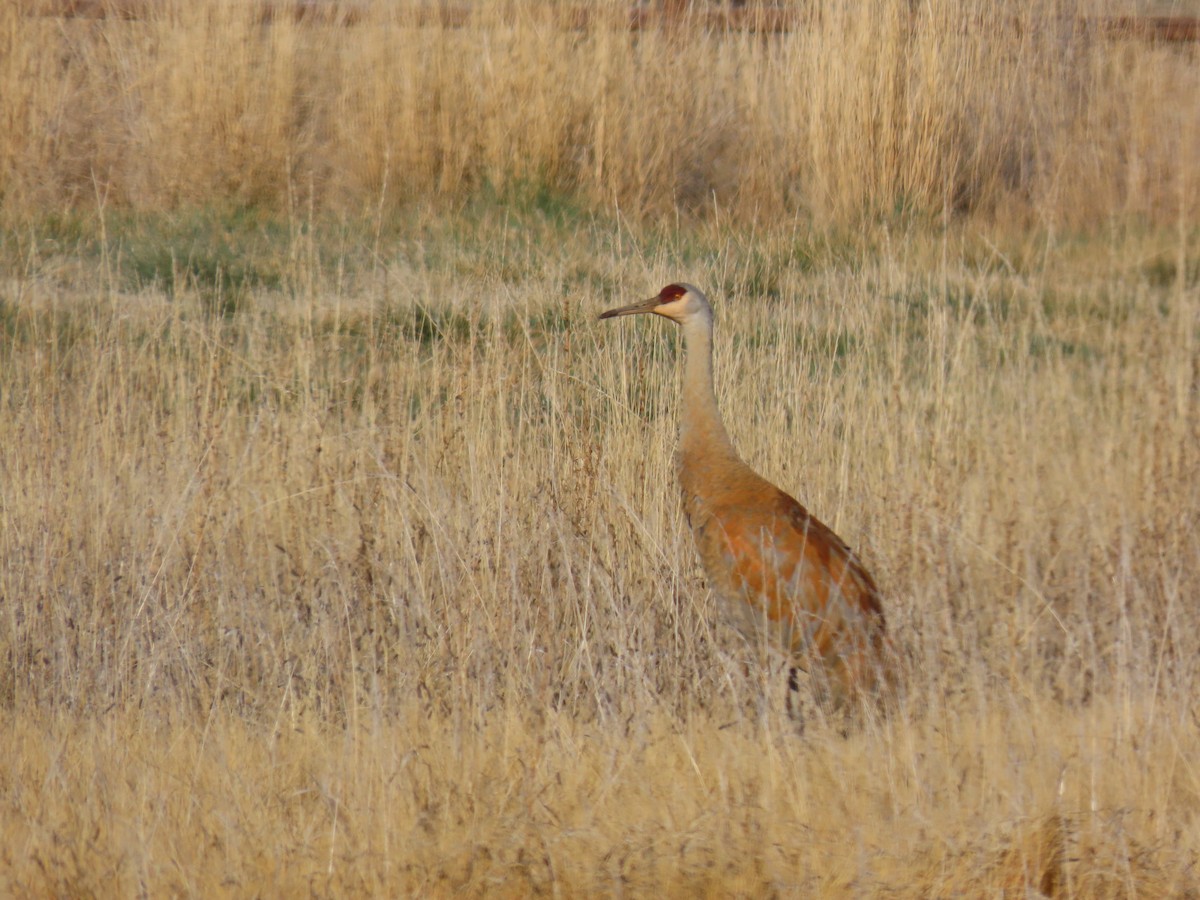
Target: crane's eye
x=671, y=292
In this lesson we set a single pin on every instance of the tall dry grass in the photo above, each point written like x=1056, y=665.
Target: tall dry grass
x=933, y=110
x=377, y=583
x=349, y=560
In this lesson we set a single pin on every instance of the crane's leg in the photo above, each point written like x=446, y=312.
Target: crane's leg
x=794, y=712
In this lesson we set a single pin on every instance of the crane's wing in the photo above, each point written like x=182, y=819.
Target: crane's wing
x=792, y=574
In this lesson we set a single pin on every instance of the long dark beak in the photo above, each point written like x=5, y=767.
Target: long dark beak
x=645, y=306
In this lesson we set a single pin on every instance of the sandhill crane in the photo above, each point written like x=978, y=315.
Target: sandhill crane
x=774, y=568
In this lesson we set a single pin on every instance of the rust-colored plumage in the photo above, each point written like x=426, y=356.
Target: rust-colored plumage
x=776, y=569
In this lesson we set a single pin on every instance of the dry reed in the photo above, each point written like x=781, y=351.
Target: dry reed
x=934, y=110
x=353, y=564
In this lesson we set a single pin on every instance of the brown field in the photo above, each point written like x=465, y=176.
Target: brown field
x=341, y=546
x=1005, y=112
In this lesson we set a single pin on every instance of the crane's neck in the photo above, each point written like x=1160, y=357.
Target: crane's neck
x=702, y=434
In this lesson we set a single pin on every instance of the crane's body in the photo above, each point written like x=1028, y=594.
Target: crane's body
x=776, y=570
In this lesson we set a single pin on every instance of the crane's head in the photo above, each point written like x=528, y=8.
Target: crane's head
x=680, y=303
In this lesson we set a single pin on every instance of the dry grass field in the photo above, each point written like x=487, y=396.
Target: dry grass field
x=341, y=546
x=937, y=109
